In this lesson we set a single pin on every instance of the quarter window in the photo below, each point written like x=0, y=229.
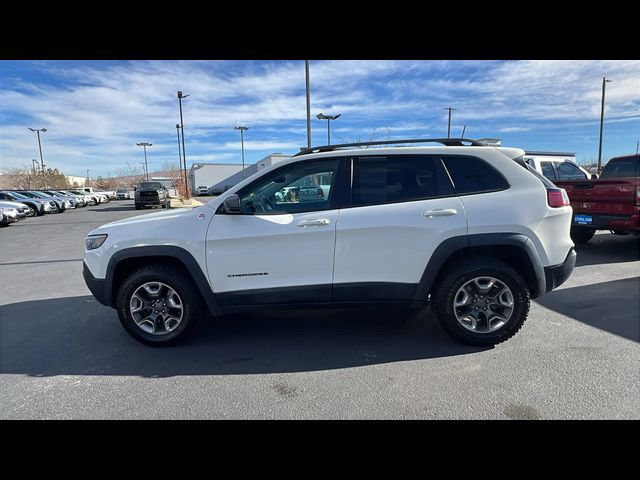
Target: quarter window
x=378, y=180
x=473, y=175
x=548, y=170
x=298, y=188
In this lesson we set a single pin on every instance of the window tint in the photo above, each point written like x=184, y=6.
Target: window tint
x=302, y=187
x=379, y=180
x=622, y=167
x=547, y=170
x=569, y=171
x=473, y=175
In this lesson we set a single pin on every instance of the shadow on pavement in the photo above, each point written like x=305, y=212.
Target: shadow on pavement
x=608, y=248
x=78, y=336
x=119, y=208
x=611, y=306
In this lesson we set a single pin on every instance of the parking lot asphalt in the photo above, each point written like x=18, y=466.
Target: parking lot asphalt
x=63, y=355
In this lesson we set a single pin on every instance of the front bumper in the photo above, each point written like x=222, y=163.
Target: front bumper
x=558, y=274
x=97, y=286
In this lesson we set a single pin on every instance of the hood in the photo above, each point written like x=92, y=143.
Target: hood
x=11, y=204
x=156, y=217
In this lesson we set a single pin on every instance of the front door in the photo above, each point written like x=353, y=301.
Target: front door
x=279, y=249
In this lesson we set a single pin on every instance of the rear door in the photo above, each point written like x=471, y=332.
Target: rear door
x=399, y=209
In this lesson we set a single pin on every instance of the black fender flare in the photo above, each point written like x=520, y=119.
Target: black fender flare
x=171, y=251
x=450, y=246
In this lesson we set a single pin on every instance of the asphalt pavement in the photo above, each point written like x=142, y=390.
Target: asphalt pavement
x=65, y=356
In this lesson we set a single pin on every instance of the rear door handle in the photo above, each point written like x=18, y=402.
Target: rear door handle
x=441, y=212
x=316, y=222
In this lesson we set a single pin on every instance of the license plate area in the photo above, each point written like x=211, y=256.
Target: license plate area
x=580, y=219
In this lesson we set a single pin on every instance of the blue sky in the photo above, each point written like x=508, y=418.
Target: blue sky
x=96, y=111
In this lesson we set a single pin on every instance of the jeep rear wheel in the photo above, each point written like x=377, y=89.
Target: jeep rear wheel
x=481, y=301
x=582, y=234
x=158, y=305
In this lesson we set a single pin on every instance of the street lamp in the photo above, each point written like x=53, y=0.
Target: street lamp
x=242, y=130
x=604, y=83
x=449, y=127
x=180, y=156
x=146, y=165
x=306, y=71
x=38, y=130
x=87, y=175
x=184, y=154
x=328, y=118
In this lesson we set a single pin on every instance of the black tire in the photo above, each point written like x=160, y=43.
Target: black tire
x=138, y=206
x=33, y=210
x=177, y=280
x=465, y=270
x=40, y=213
x=582, y=234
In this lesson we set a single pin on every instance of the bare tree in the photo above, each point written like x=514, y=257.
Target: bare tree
x=172, y=170
x=130, y=176
x=376, y=133
x=24, y=178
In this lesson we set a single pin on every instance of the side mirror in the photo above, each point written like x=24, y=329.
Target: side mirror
x=594, y=176
x=232, y=204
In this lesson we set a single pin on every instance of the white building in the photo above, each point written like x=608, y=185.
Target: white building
x=225, y=175
x=79, y=181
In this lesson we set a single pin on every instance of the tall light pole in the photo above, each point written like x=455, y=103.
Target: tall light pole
x=306, y=70
x=180, y=157
x=449, y=127
x=184, y=153
x=604, y=83
x=87, y=176
x=328, y=118
x=38, y=130
x=242, y=130
x=146, y=165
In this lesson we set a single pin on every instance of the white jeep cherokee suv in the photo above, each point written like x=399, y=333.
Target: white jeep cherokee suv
x=469, y=227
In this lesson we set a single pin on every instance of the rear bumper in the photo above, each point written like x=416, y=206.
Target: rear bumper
x=629, y=223
x=558, y=274
x=97, y=286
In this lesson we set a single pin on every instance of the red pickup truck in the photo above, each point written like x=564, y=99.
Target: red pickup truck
x=611, y=202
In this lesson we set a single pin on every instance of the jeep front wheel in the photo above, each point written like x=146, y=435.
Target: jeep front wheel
x=482, y=301
x=158, y=305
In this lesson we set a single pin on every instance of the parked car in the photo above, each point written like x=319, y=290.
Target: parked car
x=90, y=199
x=74, y=202
x=9, y=215
x=416, y=225
x=37, y=206
x=108, y=194
x=151, y=194
x=611, y=202
x=124, y=194
x=22, y=209
x=59, y=205
x=81, y=200
x=558, y=168
x=63, y=203
x=203, y=191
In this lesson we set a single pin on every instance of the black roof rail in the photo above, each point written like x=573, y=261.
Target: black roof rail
x=449, y=142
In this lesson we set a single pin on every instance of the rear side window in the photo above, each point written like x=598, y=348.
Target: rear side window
x=473, y=175
x=622, y=167
x=378, y=180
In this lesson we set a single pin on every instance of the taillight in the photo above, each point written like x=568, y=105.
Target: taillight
x=557, y=197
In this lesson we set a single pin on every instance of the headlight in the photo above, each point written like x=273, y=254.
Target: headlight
x=94, y=241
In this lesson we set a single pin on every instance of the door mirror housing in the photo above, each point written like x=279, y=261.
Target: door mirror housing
x=232, y=204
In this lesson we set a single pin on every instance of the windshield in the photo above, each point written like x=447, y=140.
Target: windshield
x=16, y=195
x=622, y=167
x=156, y=185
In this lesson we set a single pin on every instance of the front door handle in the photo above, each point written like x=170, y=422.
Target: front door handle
x=316, y=222
x=441, y=212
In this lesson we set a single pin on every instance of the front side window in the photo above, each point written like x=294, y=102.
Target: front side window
x=548, y=171
x=474, y=175
x=298, y=188
x=569, y=171
x=378, y=180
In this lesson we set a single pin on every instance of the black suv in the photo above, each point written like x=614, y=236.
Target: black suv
x=151, y=194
